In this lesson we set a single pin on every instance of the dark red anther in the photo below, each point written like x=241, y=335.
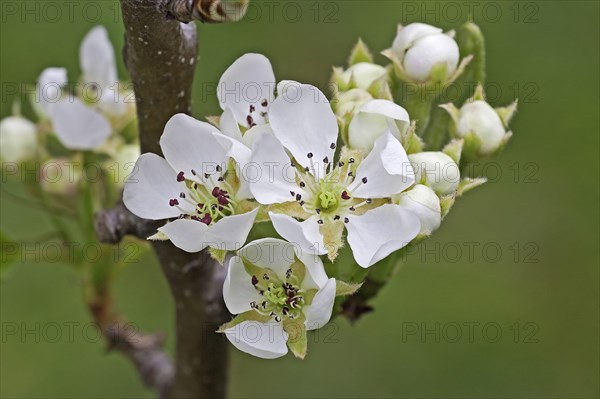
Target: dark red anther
x=216, y=192
x=223, y=200
x=250, y=121
x=173, y=202
x=180, y=177
x=207, y=219
x=254, y=280
x=264, y=103
x=345, y=196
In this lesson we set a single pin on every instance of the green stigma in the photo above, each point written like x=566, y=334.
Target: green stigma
x=328, y=200
x=276, y=296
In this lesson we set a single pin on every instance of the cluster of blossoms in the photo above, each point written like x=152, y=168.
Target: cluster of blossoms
x=324, y=175
x=94, y=115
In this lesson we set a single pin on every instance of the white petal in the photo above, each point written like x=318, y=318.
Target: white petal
x=315, y=276
x=255, y=132
x=189, y=144
x=249, y=81
x=264, y=340
x=231, y=232
x=97, y=59
x=387, y=170
x=304, y=234
x=479, y=118
x=409, y=34
x=49, y=88
x=112, y=101
x=77, y=126
x=238, y=291
x=270, y=173
x=379, y=232
x=425, y=204
x=229, y=125
x=305, y=124
x=319, y=312
x=374, y=118
x=428, y=52
x=186, y=234
x=150, y=186
x=18, y=139
x=271, y=253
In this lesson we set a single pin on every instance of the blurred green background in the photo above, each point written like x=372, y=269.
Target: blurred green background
x=532, y=276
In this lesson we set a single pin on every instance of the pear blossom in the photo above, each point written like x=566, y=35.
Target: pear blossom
x=278, y=292
x=420, y=48
x=436, y=170
x=325, y=195
x=83, y=123
x=374, y=118
x=18, y=139
x=195, y=184
x=424, y=203
x=347, y=102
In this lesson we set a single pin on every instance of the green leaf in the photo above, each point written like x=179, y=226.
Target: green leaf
x=343, y=288
x=297, y=341
x=10, y=254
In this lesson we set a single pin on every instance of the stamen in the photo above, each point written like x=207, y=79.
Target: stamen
x=332, y=146
x=298, y=197
x=182, y=195
x=364, y=180
x=320, y=221
x=173, y=202
x=264, y=103
x=346, y=196
x=254, y=280
x=180, y=177
x=346, y=220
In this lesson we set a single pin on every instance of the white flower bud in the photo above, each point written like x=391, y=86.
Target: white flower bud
x=363, y=74
x=420, y=47
x=373, y=119
x=437, y=170
x=423, y=202
x=18, y=139
x=480, y=119
x=60, y=176
x=347, y=102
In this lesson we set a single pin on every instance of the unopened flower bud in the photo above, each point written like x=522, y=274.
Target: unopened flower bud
x=420, y=48
x=482, y=127
x=347, y=102
x=60, y=176
x=373, y=119
x=423, y=202
x=363, y=74
x=122, y=165
x=18, y=139
x=436, y=170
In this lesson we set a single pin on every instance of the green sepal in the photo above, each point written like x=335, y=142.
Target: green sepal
x=507, y=113
x=214, y=120
x=218, y=254
x=446, y=203
x=297, y=340
x=454, y=150
x=250, y=315
x=343, y=288
x=468, y=184
x=158, y=236
x=360, y=53
x=337, y=78
x=8, y=259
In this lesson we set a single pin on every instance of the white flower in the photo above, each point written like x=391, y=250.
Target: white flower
x=60, y=176
x=423, y=202
x=363, y=74
x=79, y=125
x=421, y=47
x=279, y=292
x=329, y=194
x=374, y=118
x=194, y=183
x=18, y=139
x=437, y=170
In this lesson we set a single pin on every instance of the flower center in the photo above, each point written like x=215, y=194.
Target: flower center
x=328, y=201
x=281, y=299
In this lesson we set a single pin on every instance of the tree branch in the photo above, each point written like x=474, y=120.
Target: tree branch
x=160, y=54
